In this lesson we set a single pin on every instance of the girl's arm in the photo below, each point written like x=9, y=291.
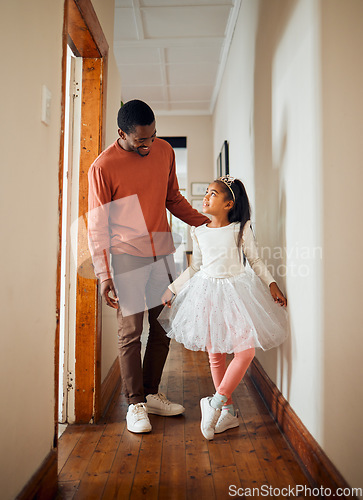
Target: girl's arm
x=194, y=267
x=250, y=250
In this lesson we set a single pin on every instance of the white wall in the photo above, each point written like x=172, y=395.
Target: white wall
x=29, y=229
x=234, y=110
x=273, y=128
x=290, y=216
x=291, y=106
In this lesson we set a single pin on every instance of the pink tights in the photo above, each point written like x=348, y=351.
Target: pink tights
x=227, y=379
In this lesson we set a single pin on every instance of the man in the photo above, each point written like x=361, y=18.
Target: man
x=130, y=185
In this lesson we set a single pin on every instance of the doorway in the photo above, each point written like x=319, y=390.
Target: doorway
x=77, y=375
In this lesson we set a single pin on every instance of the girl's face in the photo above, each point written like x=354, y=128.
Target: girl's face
x=215, y=202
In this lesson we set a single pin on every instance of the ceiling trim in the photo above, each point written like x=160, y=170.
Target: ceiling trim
x=181, y=112
x=225, y=51
x=138, y=20
x=183, y=4
x=169, y=85
x=170, y=42
x=164, y=76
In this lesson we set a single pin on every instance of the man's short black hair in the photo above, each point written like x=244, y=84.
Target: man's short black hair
x=134, y=113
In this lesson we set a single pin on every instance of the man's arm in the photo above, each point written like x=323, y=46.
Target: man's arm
x=99, y=199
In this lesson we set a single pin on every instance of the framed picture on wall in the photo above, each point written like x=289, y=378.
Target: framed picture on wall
x=219, y=165
x=199, y=188
x=198, y=204
x=223, y=160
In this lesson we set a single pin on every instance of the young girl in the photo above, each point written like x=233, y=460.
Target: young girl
x=225, y=308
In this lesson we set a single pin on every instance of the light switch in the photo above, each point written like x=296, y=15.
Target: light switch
x=46, y=104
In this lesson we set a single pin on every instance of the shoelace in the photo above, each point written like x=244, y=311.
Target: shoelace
x=163, y=399
x=140, y=410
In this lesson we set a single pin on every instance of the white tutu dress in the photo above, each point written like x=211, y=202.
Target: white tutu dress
x=220, y=305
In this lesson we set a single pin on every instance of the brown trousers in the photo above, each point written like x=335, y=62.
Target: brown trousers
x=140, y=283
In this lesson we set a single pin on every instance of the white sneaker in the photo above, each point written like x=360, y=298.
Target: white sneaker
x=210, y=418
x=226, y=421
x=159, y=405
x=137, y=419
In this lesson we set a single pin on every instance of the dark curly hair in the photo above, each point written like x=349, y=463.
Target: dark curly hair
x=134, y=113
x=241, y=210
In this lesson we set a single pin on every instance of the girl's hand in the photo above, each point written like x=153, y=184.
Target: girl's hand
x=277, y=295
x=166, y=298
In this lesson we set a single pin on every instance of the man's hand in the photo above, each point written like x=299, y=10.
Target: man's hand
x=107, y=286
x=166, y=298
x=277, y=295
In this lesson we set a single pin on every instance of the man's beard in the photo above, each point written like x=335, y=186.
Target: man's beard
x=138, y=152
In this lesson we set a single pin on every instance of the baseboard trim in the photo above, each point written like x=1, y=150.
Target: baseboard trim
x=44, y=483
x=319, y=468
x=110, y=385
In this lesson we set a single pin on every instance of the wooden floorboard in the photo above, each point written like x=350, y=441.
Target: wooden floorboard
x=69, y=441
x=172, y=482
x=174, y=461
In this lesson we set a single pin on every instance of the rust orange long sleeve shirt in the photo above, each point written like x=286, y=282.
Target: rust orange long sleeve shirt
x=127, y=201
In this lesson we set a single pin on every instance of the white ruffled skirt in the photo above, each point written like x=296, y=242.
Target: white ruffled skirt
x=225, y=315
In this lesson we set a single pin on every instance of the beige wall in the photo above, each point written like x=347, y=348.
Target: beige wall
x=291, y=106
x=342, y=90
x=29, y=229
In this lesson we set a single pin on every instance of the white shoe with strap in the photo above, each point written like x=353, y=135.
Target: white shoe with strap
x=226, y=421
x=158, y=404
x=137, y=419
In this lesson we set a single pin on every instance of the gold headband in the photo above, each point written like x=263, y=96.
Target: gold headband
x=227, y=180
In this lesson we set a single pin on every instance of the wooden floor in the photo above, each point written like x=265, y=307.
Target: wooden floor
x=174, y=461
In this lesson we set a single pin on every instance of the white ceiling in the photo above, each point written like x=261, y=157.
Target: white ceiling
x=172, y=53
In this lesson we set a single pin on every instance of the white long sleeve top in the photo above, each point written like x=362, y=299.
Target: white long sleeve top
x=215, y=252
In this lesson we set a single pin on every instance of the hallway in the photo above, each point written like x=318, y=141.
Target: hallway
x=175, y=461
x=288, y=102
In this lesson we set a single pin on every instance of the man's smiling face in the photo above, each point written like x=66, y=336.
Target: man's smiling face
x=139, y=140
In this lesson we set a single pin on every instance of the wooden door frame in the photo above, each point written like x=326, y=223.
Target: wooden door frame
x=83, y=32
